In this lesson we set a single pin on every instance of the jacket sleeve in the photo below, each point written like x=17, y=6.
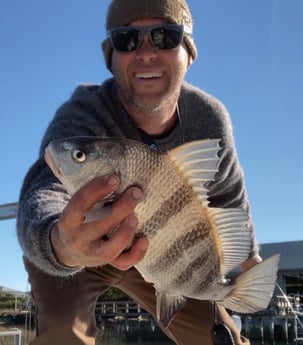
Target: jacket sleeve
x=41, y=202
x=42, y=198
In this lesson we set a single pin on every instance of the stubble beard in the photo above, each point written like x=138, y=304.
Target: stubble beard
x=152, y=105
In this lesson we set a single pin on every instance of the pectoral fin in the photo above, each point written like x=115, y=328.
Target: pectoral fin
x=168, y=306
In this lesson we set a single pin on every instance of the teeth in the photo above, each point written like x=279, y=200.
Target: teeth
x=148, y=75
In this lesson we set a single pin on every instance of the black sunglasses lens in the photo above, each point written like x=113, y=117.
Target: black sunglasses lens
x=125, y=39
x=166, y=37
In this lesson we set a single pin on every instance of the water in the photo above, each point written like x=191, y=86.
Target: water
x=165, y=342
x=107, y=337
x=144, y=337
x=121, y=342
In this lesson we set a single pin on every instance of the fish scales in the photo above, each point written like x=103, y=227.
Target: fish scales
x=189, y=272
x=183, y=266
x=165, y=260
x=174, y=199
x=166, y=209
x=191, y=245
x=154, y=174
x=184, y=247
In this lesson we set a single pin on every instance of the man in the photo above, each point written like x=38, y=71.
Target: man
x=148, y=50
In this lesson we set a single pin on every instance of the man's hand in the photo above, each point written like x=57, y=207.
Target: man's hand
x=76, y=243
x=250, y=262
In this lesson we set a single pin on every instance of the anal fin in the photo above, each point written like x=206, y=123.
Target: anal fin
x=168, y=306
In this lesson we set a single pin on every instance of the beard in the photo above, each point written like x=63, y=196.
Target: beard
x=153, y=102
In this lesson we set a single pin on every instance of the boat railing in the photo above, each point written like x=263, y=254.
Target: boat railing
x=15, y=333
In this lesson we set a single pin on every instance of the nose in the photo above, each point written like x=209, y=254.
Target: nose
x=146, y=52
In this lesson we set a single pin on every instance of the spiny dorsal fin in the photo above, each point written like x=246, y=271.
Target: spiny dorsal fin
x=232, y=236
x=197, y=161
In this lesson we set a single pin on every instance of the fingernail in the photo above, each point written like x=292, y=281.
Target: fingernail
x=112, y=180
x=132, y=221
x=136, y=193
x=144, y=245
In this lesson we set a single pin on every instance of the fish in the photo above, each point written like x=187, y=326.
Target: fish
x=193, y=247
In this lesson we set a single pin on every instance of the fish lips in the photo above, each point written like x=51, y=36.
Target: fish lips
x=48, y=157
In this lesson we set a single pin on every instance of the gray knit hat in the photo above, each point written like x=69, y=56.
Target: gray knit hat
x=123, y=12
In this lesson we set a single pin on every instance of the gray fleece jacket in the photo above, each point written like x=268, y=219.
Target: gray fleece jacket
x=95, y=110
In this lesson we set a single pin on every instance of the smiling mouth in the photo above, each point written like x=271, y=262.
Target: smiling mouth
x=148, y=75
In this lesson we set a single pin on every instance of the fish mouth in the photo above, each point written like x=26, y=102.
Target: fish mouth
x=51, y=163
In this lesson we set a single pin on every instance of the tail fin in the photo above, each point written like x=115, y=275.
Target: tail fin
x=253, y=288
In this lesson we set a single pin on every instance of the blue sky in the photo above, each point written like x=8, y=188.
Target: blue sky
x=250, y=57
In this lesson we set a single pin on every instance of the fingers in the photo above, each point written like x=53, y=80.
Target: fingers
x=133, y=256
x=120, y=209
x=250, y=262
x=83, y=244
x=121, y=250
x=87, y=196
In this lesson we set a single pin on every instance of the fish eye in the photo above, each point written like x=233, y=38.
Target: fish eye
x=79, y=156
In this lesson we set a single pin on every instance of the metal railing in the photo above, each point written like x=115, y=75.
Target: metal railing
x=8, y=211
x=119, y=308
x=15, y=332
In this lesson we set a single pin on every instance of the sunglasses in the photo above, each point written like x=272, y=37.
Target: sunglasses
x=164, y=37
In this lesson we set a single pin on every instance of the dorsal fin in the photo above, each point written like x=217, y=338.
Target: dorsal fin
x=197, y=161
x=232, y=236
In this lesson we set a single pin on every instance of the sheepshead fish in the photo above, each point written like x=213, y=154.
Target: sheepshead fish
x=192, y=246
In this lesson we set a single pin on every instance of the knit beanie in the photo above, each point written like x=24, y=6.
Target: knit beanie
x=123, y=12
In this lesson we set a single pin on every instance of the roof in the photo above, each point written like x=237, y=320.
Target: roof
x=291, y=258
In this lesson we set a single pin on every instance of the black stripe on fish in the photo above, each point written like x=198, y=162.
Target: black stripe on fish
x=171, y=206
x=207, y=281
x=190, y=270
x=183, y=243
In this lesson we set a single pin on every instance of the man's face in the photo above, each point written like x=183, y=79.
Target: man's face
x=149, y=78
